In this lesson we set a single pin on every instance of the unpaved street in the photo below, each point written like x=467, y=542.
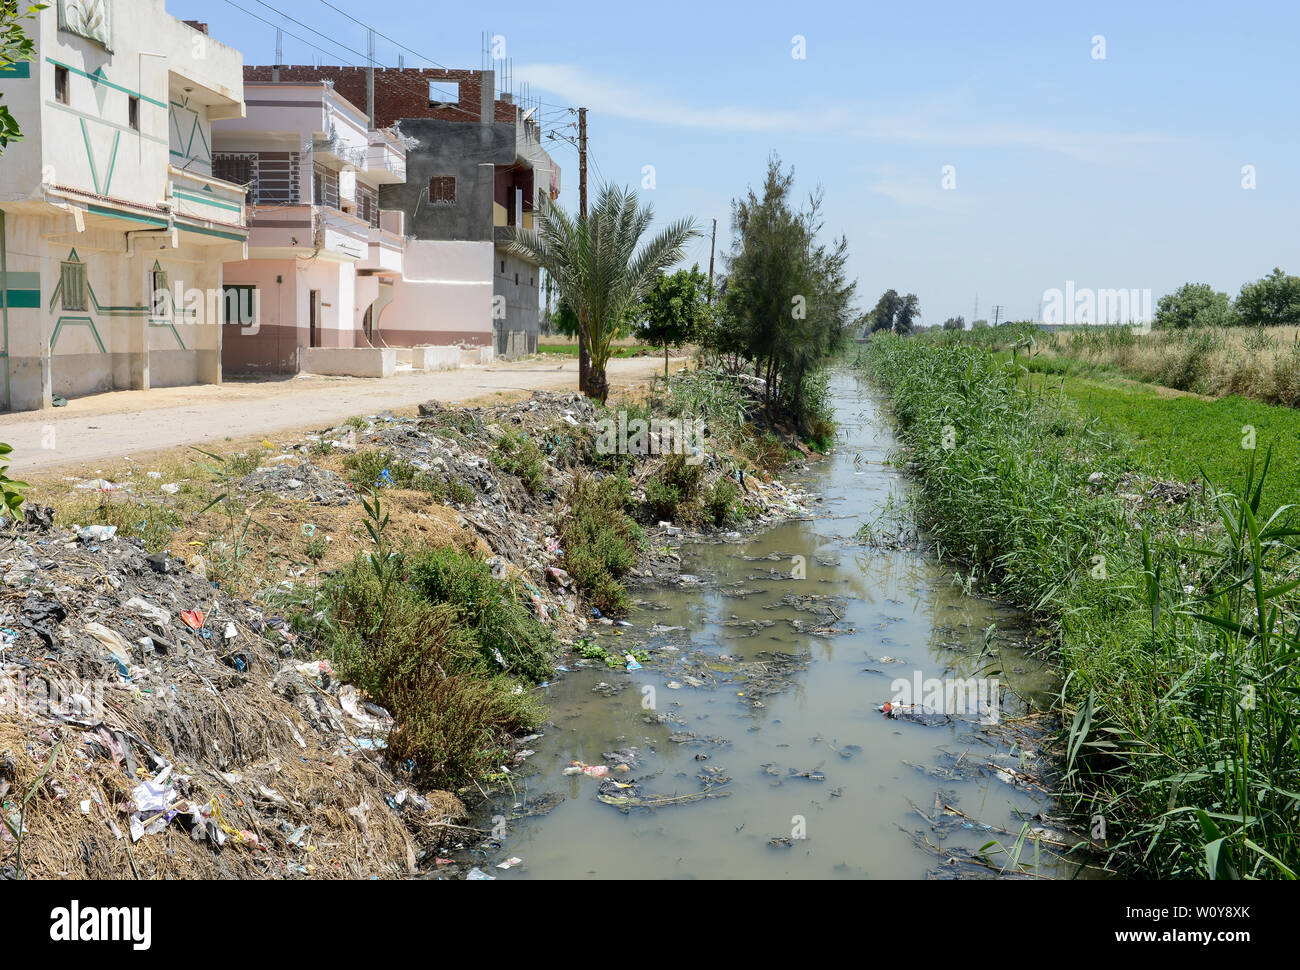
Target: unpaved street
x=123, y=423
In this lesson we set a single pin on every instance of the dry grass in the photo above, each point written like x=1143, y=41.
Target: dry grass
x=1260, y=364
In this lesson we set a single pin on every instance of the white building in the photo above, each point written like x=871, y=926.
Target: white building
x=112, y=230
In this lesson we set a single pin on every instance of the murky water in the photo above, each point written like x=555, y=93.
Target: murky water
x=808, y=780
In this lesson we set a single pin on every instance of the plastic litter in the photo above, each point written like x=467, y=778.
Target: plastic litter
x=915, y=713
x=113, y=642
x=96, y=533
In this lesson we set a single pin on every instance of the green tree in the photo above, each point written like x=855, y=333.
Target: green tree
x=1193, y=305
x=564, y=320
x=599, y=269
x=1270, y=302
x=894, y=312
x=955, y=323
x=881, y=316
x=908, y=313
x=675, y=310
x=786, y=301
x=15, y=46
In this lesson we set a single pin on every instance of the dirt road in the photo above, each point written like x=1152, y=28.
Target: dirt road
x=122, y=423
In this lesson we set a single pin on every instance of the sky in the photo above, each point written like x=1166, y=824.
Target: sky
x=968, y=151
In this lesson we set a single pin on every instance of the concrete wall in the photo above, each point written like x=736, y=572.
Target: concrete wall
x=429, y=358
x=444, y=296
x=350, y=361
x=515, y=309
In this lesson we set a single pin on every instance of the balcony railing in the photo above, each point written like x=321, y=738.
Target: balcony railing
x=206, y=199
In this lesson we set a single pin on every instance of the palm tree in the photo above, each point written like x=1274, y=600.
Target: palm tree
x=598, y=268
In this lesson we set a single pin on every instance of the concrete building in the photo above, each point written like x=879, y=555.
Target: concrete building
x=475, y=166
x=112, y=229
x=322, y=254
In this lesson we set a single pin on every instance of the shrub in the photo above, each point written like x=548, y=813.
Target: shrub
x=521, y=457
x=425, y=633
x=496, y=611
x=600, y=541
x=721, y=505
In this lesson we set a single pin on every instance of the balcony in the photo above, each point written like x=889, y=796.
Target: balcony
x=343, y=147
x=387, y=245
x=385, y=159
x=342, y=233
x=292, y=230
x=215, y=205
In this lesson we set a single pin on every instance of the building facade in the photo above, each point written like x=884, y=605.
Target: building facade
x=113, y=230
x=475, y=167
x=322, y=254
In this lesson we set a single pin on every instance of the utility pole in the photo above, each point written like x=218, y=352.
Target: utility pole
x=712, y=243
x=997, y=311
x=584, y=353
x=370, y=77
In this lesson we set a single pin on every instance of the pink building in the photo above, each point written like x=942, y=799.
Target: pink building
x=322, y=256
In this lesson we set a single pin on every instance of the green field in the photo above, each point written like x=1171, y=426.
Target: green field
x=571, y=350
x=1181, y=435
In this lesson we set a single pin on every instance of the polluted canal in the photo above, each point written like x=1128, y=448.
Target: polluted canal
x=750, y=744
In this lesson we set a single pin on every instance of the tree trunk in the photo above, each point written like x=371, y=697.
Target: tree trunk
x=598, y=385
x=665, y=362
x=584, y=354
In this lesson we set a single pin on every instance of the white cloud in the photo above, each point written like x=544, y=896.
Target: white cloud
x=947, y=119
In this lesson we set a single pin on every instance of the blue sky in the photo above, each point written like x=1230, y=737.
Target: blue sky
x=1123, y=172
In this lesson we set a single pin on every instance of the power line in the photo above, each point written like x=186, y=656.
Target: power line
x=291, y=34
x=385, y=36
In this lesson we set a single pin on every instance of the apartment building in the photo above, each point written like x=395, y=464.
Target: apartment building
x=113, y=229
x=475, y=167
x=322, y=253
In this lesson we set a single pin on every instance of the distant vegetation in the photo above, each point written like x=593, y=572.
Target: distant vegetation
x=1272, y=301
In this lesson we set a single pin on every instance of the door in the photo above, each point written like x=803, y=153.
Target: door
x=313, y=322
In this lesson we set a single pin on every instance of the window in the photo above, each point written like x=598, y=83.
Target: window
x=368, y=205
x=158, y=293
x=238, y=169
x=133, y=112
x=60, y=84
x=240, y=304
x=443, y=93
x=72, y=285
x=442, y=189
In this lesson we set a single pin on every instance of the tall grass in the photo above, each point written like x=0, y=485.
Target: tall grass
x=1262, y=364
x=1176, y=627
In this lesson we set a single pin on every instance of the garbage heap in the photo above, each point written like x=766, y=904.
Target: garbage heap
x=518, y=524
x=151, y=726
